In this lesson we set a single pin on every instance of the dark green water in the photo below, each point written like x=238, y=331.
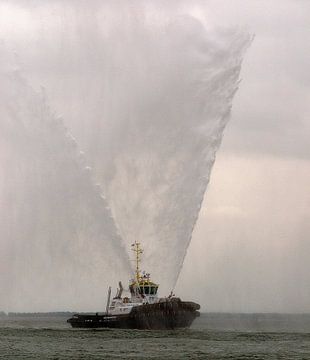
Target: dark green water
x=213, y=336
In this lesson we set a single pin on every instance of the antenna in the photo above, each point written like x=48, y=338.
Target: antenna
x=138, y=251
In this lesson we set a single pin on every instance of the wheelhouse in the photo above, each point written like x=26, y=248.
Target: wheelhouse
x=143, y=288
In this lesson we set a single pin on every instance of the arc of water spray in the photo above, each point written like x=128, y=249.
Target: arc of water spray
x=223, y=121
x=72, y=144
x=32, y=131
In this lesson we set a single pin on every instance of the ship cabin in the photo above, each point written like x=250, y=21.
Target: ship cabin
x=144, y=287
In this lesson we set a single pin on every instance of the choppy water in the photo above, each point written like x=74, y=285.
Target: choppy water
x=213, y=336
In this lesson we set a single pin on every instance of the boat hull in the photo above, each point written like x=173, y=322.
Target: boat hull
x=170, y=314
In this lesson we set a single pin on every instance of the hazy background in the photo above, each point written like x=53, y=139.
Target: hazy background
x=250, y=247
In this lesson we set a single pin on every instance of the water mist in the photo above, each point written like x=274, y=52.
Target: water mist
x=145, y=97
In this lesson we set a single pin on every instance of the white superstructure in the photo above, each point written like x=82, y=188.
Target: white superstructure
x=142, y=290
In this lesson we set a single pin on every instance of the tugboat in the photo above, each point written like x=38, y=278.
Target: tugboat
x=143, y=309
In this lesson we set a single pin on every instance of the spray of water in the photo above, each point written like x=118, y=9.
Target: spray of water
x=58, y=235
x=165, y=111
x=146, y=95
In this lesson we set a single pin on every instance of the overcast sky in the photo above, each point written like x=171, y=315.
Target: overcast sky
x=251, y=246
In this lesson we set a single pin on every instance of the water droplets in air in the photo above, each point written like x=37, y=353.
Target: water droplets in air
x=144, y=103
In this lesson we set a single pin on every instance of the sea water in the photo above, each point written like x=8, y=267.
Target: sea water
x=212, y=336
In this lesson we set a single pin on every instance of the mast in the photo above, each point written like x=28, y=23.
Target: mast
x=138, y=251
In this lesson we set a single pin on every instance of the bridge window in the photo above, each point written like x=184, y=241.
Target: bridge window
x=148, y=289
x=153, y=290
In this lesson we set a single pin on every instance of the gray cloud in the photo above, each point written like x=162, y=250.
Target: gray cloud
x=271, y=109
